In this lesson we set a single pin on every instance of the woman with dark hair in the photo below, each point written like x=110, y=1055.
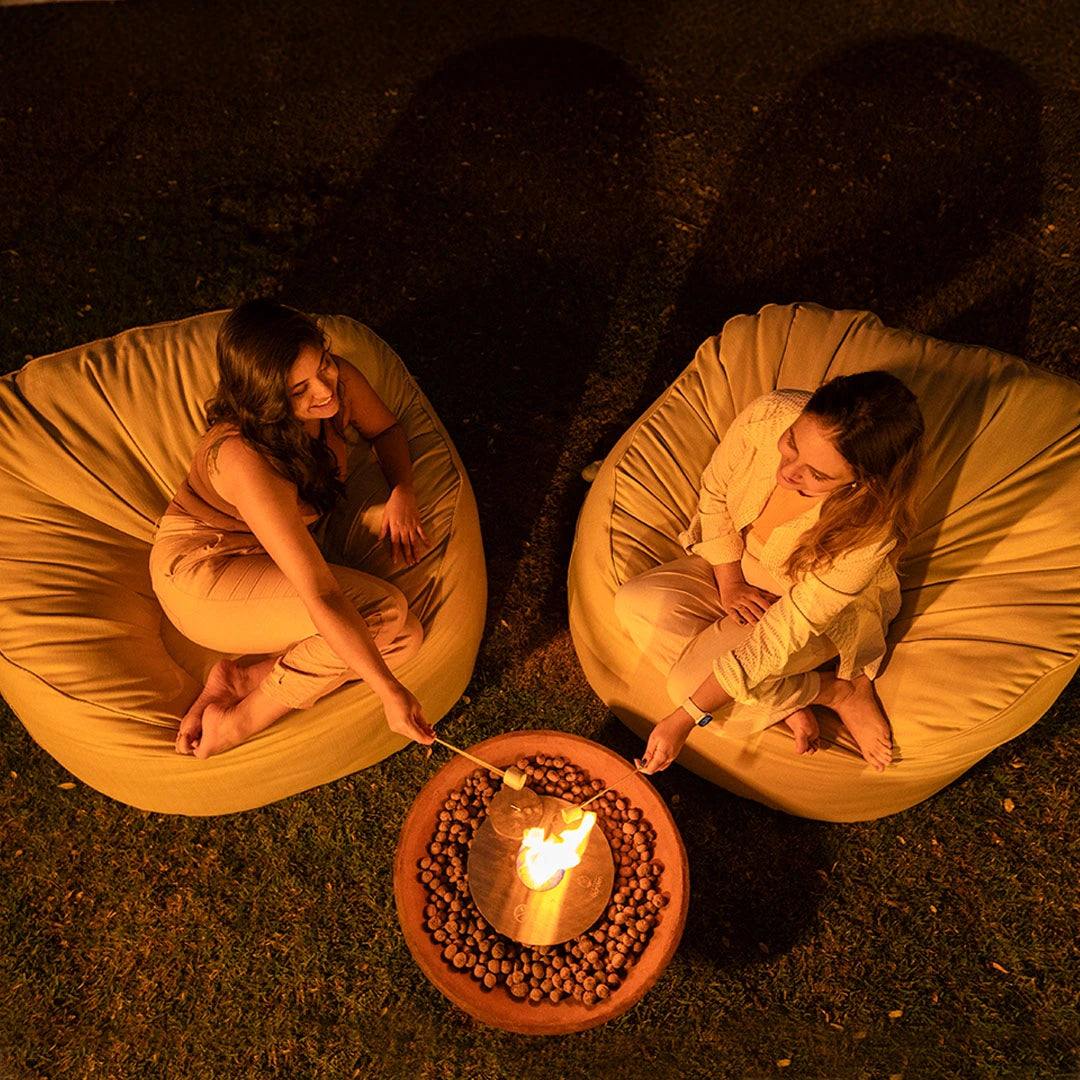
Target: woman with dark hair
x=790, y=565
x=234, y=562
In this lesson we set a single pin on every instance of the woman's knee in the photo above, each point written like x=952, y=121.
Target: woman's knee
x=408, y=641
x=399, y=632
x=391, y=611
x=633, y=605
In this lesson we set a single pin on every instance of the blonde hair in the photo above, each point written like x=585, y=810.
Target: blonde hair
x=875, y=423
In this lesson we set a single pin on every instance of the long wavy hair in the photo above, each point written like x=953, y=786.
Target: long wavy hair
x=875, y=423
x=257, y=344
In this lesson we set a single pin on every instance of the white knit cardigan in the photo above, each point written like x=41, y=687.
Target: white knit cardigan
x=851, y=603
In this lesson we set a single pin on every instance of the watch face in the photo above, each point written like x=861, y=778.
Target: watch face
x=704, y=720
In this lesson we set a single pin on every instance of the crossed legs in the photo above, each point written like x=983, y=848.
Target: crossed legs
x=674, y=616
x=246, y=606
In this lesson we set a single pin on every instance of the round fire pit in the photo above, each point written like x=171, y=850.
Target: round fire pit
x=571, y=914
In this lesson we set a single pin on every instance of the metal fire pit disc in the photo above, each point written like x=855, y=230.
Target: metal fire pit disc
x=529, y=916
x=512, y=812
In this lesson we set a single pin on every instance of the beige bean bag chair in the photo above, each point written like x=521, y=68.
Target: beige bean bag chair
x=93, y=442
x=989, y=631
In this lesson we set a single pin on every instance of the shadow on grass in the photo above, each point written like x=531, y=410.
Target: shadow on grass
x=486, y=244
x=881, y=181
x=755, y=873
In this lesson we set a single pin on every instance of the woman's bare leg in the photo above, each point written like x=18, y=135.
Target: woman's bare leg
x=857, y=706
x=229, y=682
x=804, y=726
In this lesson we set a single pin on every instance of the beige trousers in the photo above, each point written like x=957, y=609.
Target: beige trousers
x=673, y=615
x=225, y=593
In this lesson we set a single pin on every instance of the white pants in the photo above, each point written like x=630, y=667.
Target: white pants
x=673, y=615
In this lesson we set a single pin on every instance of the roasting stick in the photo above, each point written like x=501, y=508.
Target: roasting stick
x=511, y=775
x=475, y=760
x=573, y=813
x=610, y=787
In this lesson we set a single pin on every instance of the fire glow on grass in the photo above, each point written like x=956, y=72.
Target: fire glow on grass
x=543, y=860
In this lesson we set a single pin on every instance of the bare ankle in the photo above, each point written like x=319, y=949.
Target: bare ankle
x=834, y=691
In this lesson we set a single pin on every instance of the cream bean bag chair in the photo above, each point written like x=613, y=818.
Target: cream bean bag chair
x=989, y=631
x=93, y=442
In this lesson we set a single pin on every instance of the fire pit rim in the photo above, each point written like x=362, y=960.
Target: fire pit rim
x=494, y=1007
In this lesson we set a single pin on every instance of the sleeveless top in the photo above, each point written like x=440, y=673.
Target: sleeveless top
x=198, y=505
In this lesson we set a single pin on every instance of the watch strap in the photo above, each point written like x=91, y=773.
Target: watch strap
x=699, y=716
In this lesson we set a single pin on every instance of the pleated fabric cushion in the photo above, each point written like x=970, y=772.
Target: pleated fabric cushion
x=989, y=631
x=93, y=442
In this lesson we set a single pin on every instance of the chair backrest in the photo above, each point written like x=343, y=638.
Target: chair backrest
x=107, y=429
x=1002, y=437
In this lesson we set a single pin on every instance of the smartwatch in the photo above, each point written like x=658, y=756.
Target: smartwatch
x=699, y=716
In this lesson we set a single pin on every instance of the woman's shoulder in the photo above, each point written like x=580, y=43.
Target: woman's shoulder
x=361, y=405
x=770, y=414
x=350, y=377
x=782, y=403
x=225, y=450
x=219, y=432
x=217, y=436
x=351, y=382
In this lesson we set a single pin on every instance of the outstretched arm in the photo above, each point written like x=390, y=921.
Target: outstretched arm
x=667, y=738
x=268, y=504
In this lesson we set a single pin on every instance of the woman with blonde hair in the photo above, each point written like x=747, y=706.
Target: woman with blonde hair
x=235, y=563
x=789, y=583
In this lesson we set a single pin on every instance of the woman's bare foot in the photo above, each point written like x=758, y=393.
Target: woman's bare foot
x=229, y=681
x=226, y=726
x=219, y=729
x=857, y=706
x=804, y=726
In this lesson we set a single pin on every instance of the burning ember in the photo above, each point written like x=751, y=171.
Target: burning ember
x=543, y=860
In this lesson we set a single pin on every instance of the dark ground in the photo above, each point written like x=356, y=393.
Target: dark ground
x=544, y=208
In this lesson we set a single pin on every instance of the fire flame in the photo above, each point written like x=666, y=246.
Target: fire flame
x=542, y=860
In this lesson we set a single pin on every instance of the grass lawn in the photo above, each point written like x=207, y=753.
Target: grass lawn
x=543, y=208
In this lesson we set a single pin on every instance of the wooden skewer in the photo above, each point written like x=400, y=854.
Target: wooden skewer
x=581, y=806
x=475, y=760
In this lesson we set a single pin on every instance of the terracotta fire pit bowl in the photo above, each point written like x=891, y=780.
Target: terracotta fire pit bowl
x=541, y=955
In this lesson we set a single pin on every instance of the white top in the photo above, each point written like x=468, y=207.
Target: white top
x=851, y=603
